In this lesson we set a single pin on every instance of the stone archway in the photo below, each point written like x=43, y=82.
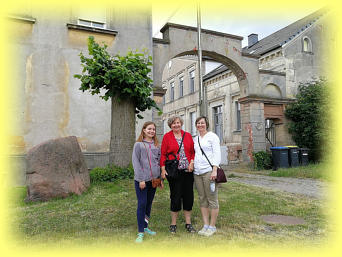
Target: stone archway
x=179, y=40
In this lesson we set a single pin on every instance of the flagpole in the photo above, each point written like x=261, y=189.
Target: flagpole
x=202, y=101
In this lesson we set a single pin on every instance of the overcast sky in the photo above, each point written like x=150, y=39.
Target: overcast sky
x=228, y=21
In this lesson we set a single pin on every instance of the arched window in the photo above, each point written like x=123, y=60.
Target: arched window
x=307, y=47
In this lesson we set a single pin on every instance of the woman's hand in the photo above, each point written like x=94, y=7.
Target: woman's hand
x=142, y=185
x=161, y=184
x=213, y=173
x=191, y=166
x=163, y=172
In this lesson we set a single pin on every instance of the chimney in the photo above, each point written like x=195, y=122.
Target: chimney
x=252, y=39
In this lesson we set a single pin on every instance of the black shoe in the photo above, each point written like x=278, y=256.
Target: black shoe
x=190, y=228
x=173, y=229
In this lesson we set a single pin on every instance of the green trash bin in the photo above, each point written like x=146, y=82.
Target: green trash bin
x=293, y=155
x=280, y=157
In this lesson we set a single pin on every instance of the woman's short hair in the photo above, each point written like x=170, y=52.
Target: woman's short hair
x=205, y=119
x=172, y=120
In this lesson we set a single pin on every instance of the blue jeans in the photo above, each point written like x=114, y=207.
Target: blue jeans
x=145, y=199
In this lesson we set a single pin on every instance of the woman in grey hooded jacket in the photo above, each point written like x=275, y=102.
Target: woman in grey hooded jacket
x=145, y=159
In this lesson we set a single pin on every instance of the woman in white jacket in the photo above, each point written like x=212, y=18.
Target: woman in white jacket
x=205, y=174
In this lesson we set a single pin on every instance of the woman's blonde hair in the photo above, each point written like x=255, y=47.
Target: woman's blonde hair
x=141, y=136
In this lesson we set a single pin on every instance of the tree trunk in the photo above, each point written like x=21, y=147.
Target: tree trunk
x=122, y=132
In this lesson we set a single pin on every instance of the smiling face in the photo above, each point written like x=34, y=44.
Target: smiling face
x=149, y=131
x=201, y=125
x=176, y=126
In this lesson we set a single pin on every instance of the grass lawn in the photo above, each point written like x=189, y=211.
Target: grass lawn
x=106, y=215
x=322, y=171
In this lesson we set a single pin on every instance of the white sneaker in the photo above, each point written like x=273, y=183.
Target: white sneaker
x=202, y=231
x=210, y=232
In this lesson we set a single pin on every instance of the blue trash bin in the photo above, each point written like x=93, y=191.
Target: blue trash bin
x=280, y=157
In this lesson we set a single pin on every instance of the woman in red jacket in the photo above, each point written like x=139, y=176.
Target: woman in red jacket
x=181, y=189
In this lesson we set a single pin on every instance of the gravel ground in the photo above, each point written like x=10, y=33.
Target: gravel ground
x=308, y=187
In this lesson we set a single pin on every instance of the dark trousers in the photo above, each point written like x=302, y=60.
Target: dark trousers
x=181, y=192
x=145, y=199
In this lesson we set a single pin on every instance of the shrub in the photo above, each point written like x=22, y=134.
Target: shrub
x=309, y=118
x=110, y=173
x=262, y=160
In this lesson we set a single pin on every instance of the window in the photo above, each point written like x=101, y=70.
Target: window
x=181, y=79
x=307, y=45
x=183, y=126
x=94, y=17
x=238, y=115
x=218, y=122
x=172, y=92
x=270, y=134
x=192, y=81
x=193, y=123
x=165, y=126
x=93, y=24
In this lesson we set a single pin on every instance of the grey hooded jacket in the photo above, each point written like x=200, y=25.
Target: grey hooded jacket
x=142, y=151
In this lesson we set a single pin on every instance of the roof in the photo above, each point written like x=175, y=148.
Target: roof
x=284, y=35
x=218, y=70
x=275, y=40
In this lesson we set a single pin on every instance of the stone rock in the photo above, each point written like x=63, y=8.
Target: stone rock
x=56, y=168
x=283, y=220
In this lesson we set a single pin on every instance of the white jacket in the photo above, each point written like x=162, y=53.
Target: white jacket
x=210, y=144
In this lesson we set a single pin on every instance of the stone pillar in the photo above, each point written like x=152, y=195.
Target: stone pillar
x=252, y=127
x=158, y=94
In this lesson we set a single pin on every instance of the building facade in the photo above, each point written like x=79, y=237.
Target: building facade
x=45, y=46
x=293, y=55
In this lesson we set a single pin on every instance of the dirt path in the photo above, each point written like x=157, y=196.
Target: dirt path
x=308, y=187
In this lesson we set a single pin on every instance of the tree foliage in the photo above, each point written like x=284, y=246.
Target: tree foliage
x=120, y=77
x=309, y=117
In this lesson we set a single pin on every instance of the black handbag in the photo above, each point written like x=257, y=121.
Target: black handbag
x=171, y=166
x=220, y=177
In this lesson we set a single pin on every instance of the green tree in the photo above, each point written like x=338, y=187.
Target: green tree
x=309, y=118
x=126, y=81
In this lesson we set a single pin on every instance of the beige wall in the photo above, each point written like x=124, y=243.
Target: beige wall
x=45, y=51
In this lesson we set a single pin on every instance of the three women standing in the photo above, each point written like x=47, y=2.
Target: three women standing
x=145, y=159
x=181, y=189
x=198, y=159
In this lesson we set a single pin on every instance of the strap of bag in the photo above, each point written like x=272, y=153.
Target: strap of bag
x=181, y=143
x=204, y=152
x=149, y=160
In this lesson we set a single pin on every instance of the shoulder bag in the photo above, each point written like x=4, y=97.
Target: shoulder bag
x=171, y=166
x=156, y=182
x=220, y=177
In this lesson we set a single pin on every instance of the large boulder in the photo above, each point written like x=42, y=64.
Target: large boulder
x=56, y=168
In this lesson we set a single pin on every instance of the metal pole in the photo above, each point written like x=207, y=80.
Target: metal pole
x=202, y=97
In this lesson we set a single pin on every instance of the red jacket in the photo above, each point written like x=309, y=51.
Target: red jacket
x=170, y=145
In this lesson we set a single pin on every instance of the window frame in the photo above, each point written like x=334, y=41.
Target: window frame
x=307, y=45
x=218, y=116
x=91, y=23
x=193, y=117
x=181, y=86
x=172, y=91
x=192, y=81
x=238, y=116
